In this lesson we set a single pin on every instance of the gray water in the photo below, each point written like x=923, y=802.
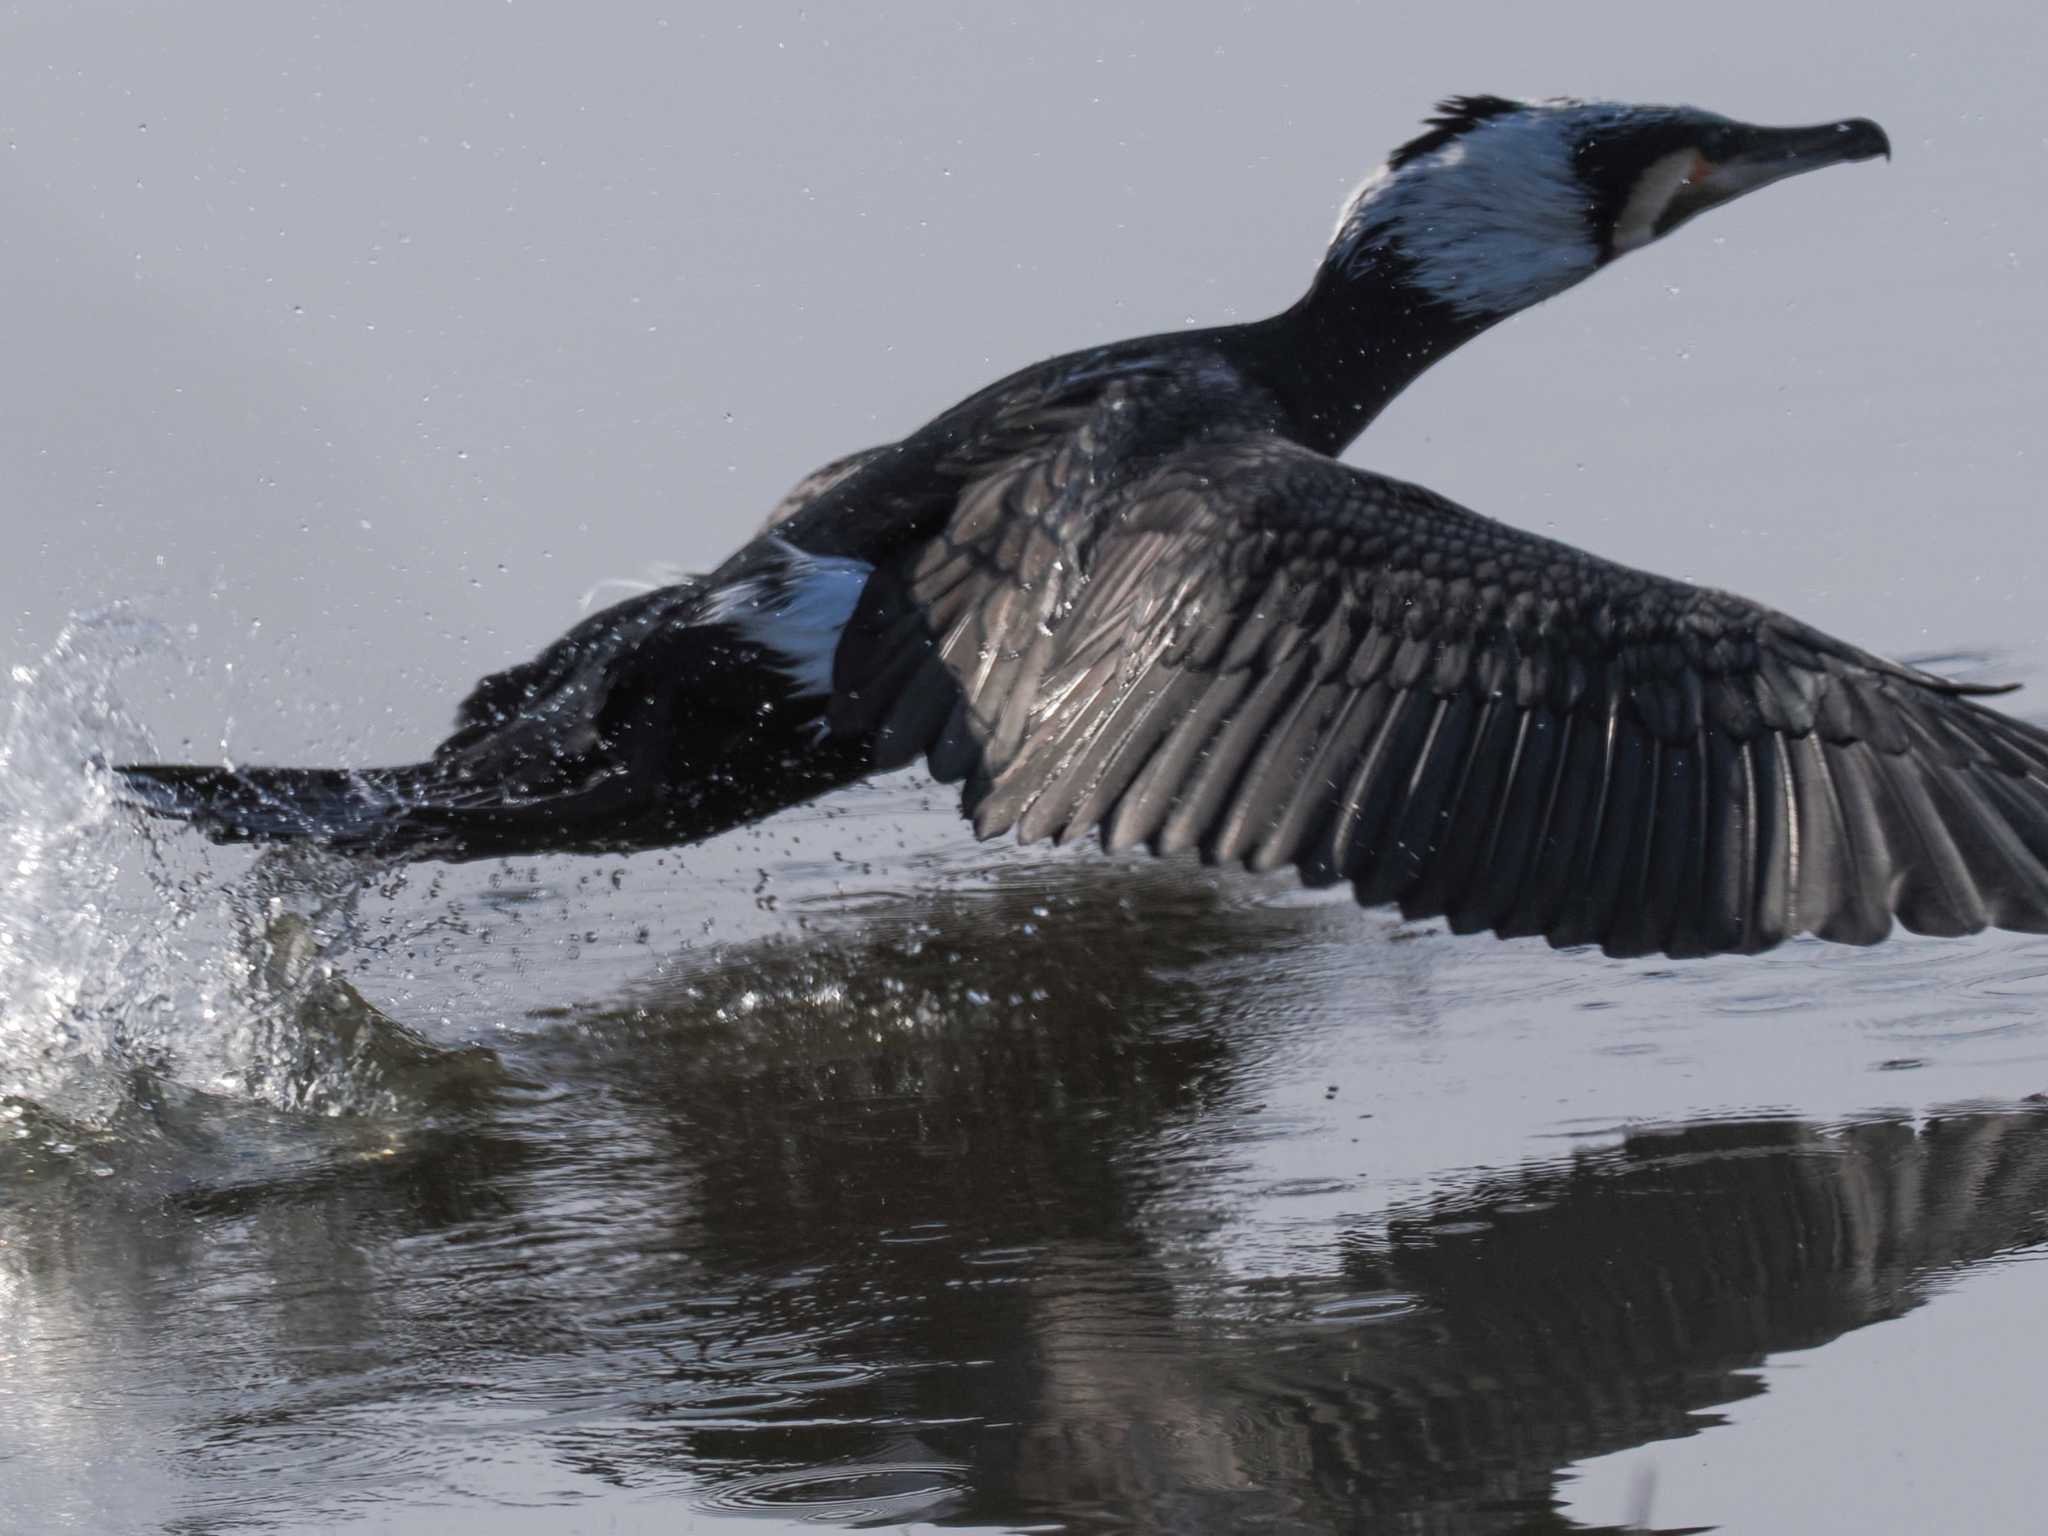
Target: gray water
x=845, y=1172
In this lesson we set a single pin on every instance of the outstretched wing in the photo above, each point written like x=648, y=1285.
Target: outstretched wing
x=1262, y=654
x=820, y=482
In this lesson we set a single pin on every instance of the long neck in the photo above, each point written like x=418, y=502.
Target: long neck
x=1355, y=340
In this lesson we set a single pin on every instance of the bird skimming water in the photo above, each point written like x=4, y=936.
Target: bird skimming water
x=1131, y=591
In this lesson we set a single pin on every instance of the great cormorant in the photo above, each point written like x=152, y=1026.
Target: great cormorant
x=1132, y=591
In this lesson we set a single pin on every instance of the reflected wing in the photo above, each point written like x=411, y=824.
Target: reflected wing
x=1265, y=655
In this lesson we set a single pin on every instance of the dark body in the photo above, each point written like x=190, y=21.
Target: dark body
x=1130, y=591
x=653, y=723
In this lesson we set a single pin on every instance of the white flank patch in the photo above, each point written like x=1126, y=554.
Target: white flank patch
x=1494, y=221
x=797, y=612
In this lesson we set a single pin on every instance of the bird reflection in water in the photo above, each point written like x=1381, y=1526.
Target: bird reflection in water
x=944, y=1135
x=892, y=1223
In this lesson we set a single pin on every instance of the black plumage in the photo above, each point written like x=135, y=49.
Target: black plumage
x=1568, y=747
x=1129, y=593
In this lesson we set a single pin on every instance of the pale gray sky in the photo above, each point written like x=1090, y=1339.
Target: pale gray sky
x=393, y=329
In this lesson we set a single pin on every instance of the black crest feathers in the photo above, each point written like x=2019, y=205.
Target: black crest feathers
x=1454, y=115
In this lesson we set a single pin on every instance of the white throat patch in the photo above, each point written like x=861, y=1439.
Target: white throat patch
x=1493, y=221
x=1654, y=189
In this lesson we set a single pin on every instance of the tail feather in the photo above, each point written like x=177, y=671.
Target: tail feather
x=430, y=810
x=385, y=810
x=667, y=718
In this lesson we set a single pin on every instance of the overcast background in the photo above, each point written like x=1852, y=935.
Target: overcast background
x=368, y=338
x=357, y=343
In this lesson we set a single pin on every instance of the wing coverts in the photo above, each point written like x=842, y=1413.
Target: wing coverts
x=1255, y=652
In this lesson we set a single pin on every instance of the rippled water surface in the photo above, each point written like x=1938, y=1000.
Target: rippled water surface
x=933, y=1185
x=845, y=1173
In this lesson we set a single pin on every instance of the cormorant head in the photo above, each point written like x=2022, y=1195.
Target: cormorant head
x=1504, y=203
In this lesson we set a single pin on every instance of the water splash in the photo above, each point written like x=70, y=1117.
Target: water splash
x=82, y=939
x=126, y=960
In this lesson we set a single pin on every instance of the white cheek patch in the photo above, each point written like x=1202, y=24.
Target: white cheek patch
x=1492, y=222
x=796, y=612
x=1637, y=225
